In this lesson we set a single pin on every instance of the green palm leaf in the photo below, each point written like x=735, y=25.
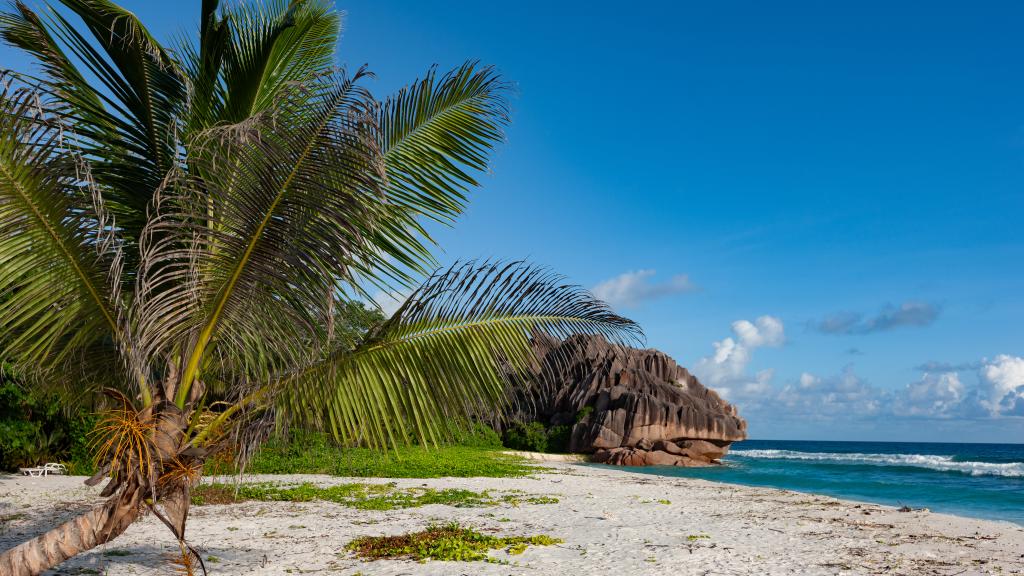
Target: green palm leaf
x=273, y=44
x=249, y=54
x=129, y=128
x=59, y=260
x=24, y=29
x=437, y=131
x=448, y=352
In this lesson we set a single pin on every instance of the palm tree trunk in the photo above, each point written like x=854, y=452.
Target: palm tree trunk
x=97, y=526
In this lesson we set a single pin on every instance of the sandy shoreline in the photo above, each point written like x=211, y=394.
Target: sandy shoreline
x=613, y=522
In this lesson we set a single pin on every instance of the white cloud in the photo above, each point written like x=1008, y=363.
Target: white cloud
x=843, y=395
x=765, y=331
x=1001, y=385
x=726, y=365
x=633, y=288
x=936, y=395
x=808, y=380
x=809, y=398
x=726, y=369
x=995, y=391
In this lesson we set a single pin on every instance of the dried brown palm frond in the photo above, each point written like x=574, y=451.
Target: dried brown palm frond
x=188, y=561
x=122, y=440
x=180, y=471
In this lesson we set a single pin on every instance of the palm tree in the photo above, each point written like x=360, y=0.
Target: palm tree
x=177, y=228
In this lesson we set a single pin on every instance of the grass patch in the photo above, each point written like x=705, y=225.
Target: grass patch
x=117, y=553
x=361, y=496
x=447, y=542
x=309, y=453
x=7, y=519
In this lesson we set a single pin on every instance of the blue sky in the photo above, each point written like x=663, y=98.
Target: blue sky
x=817, y=207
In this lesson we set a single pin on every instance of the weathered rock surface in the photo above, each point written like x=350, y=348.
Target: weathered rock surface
x=628, y=406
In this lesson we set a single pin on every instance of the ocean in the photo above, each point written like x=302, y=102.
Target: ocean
x=978, y=480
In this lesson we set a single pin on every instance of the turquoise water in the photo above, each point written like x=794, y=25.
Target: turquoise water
x=979, y=480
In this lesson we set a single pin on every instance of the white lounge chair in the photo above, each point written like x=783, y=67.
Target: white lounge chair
x=32, y=471
x=55, y=468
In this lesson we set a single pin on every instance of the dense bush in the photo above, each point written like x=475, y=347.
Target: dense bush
x=534, y=437
x=531, y=437
x=558, y=438
x=479, y=435
x=37, y=428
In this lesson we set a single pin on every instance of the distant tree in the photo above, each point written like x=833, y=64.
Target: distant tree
x=182, y=229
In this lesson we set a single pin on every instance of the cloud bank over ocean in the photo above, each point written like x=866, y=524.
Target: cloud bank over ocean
x=988, y=389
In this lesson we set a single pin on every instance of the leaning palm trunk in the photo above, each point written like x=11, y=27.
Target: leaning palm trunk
x=133, y=449
x=181, y=237
x=98, y=526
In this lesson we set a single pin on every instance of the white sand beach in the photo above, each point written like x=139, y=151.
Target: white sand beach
x=611, y=521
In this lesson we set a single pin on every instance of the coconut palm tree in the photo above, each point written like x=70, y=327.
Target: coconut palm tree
x=177, y=228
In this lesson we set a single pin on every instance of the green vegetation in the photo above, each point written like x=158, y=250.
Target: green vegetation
x=37, y=427
x=448, y=542
x=312, y=453
x=532, y=437
x=584, y=413
x=535, y=437
x=695, y=537
x=360, y=495
x=117, y=553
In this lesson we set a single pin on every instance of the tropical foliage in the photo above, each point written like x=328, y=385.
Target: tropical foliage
x=179, y=226
x=37, y=427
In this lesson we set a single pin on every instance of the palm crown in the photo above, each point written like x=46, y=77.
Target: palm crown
x=178, y=226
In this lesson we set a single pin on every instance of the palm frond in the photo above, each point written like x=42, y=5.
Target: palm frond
x=129, y=128
x=447, y=353
x=123, y=440
x=274, y=212
x=272, y=44
x=433, y=134
x=436, y=132
x=59, y=257
x=24, y=29
x=202, y=63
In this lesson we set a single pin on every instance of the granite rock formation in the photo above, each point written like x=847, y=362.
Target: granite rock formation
x=628, y=406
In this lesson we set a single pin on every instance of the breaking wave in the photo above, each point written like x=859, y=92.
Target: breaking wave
x=929, y=461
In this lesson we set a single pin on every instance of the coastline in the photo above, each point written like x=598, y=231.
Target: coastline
x=611, y=521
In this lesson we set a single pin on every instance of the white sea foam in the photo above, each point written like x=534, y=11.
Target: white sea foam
x=930, y=461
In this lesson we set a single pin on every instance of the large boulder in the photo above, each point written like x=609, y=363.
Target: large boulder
x=628, y=406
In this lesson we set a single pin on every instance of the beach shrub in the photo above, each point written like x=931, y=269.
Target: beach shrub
x=558, y=438
x=447, y=542
x=478, y=435
x=36, y=428
x=534, y=437
x=530, y=436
